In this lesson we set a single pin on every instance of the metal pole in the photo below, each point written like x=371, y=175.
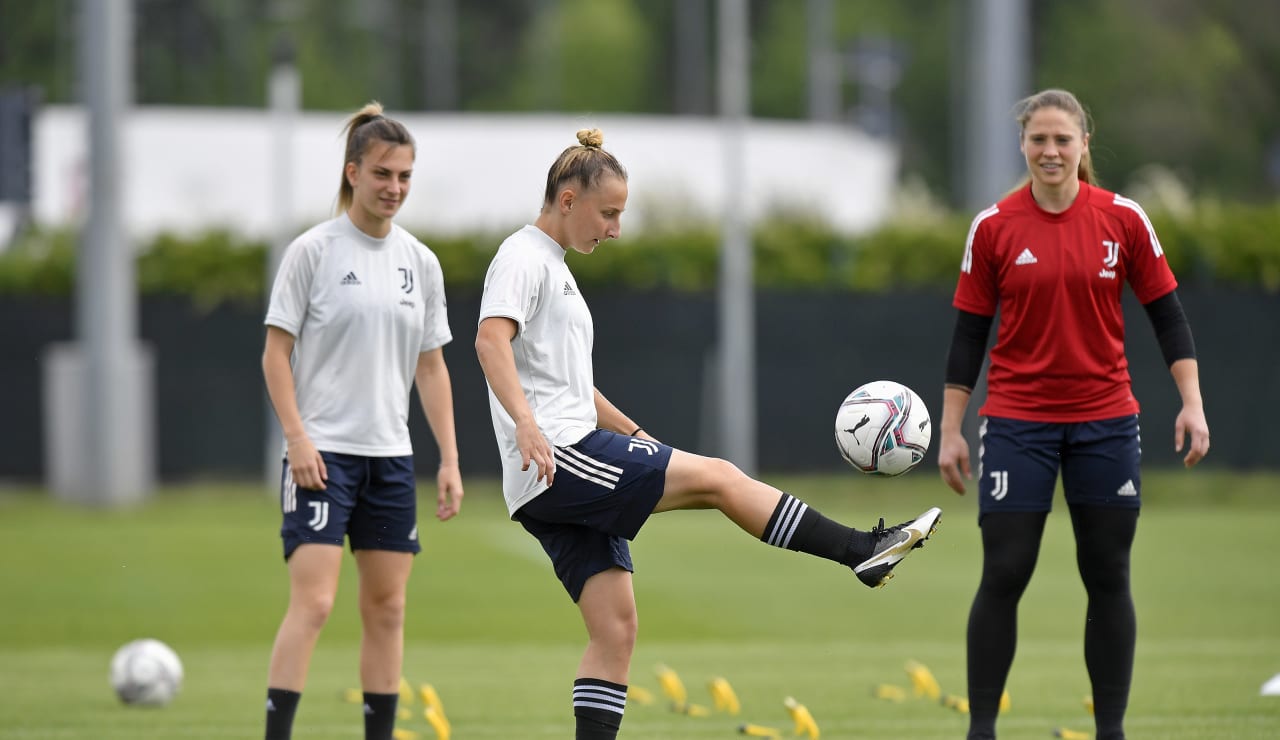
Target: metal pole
x=999, y=70
x=824, y=63
x=736, y=300
x=284, y=98
x=440, y=37
x=116, y=393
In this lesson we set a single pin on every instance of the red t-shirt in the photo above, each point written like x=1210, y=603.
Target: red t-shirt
x=1057, y=280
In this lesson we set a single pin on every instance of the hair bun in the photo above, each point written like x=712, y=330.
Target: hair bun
x=591, y=137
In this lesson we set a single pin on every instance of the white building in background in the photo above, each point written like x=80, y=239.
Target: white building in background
x=189, y=169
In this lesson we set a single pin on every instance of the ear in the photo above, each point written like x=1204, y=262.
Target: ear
x=350, y=171
x=565, y=200
x=1085, y=146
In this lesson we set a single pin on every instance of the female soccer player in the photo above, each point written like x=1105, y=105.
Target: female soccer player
x=578, y=473
x=357, y=316
x=1053, y=256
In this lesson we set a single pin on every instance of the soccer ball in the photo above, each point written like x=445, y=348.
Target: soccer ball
x=146, y=672
x=883, y=428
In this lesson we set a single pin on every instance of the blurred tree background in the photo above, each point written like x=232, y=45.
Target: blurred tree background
x=1191, y=87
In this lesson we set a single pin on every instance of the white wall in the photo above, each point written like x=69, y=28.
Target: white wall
x=187, y=169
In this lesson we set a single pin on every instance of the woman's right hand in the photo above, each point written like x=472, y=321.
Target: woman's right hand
x=306, y=465
x=535, y=448
x=953, y=461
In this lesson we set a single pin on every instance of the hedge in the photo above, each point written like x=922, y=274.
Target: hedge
x=1228, y=244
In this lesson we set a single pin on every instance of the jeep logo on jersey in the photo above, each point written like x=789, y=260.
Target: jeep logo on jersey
x=406, y=279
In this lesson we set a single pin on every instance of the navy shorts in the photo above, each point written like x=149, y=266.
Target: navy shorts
x=371, y=500
x=606, y=486
x=1019, y=463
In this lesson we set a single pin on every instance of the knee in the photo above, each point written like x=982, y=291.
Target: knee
x=722, y=479
x=1105, y=575
x=1006, y=579
x=383, y=611
x=311, y=611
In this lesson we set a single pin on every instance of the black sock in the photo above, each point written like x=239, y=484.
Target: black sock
x=796, y=526
x=282, y=704
x=1104, y=539
x=1010, y=545
x=597, y=707
x=379, y=715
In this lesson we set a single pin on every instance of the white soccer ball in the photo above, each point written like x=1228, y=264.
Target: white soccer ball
x=883, y=428
x=146, y=672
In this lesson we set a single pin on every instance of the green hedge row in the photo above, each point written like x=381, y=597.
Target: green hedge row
x=1228, y=244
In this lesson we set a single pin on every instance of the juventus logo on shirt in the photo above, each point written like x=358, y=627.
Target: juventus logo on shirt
x=406, y=279
x=1109, y=262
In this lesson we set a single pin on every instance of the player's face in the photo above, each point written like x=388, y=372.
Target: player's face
x=380, y=182
x=1053, y=144
x=597, y=214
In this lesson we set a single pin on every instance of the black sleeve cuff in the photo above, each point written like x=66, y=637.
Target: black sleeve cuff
x=968, y=349
x=1172, y=330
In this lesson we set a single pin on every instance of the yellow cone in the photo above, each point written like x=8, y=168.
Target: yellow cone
x=805, y=724
x=399, y=734
x=403, y=714
x=1088, y=703
x=751, y=730
x=671, y=685
x=353, y=696
x=438, y=723
x=723, y=696
x=889, y=692
x=639, y=695
x=430, y=698
x=1005, y=702
x=406, y=691
x=1066, y=734
x=922, y=681
x=958, y=703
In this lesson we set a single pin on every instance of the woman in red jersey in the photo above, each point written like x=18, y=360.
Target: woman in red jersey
x=1053, y=256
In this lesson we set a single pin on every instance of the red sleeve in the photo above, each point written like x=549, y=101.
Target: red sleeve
x=1146, y=268
x=976, y=289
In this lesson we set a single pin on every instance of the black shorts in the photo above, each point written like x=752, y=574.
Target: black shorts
x=1020, y=460
x=606, y=486
x=373, y=501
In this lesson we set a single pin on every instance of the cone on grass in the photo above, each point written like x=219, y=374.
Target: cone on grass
x=403, y=714
x=438, y=722
x=1066, y=734
x=672, y=686
x=922, y=681
x=751, y=730
x=406, y=692
x=691, y=710
x=353, y=696
x=958, y=703
x=430, y=698
x=639, y=695
x=805, y=724
x=402, y=734
x=1088, y=704
x=889, y=692
x=723, y=696
x=1005, y=702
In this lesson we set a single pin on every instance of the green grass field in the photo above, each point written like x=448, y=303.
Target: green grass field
x=491, y=629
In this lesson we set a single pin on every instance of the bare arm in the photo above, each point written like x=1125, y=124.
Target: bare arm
x=1191, y=420
x=953, y=448
x=435, y=392
x=610, y=417
x=305, y=462
x=493, y=349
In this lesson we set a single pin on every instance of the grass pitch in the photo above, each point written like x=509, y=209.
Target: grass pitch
x=491, y=629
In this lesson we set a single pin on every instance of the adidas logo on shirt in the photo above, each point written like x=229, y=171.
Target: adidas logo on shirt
x=1128, y=489
x=568, y=289
x=350, y=279
x=1026, y=258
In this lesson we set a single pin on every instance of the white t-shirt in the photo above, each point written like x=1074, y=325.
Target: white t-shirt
x=360, y=310
x=529, y=283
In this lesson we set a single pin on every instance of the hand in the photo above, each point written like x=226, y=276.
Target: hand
x=953, y=461
x=1191, y=423
x=534, y=448
x=449, y=487
x=306, y=465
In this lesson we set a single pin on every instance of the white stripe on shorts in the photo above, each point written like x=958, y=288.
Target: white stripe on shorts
x=586, y=468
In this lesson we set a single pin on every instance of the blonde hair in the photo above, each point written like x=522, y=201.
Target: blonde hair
x=1067, y=103
x=582, y=164
x=365, y=127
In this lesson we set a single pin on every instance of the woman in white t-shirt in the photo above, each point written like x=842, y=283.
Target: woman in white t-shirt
x=578, y=473
x=357, y=316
